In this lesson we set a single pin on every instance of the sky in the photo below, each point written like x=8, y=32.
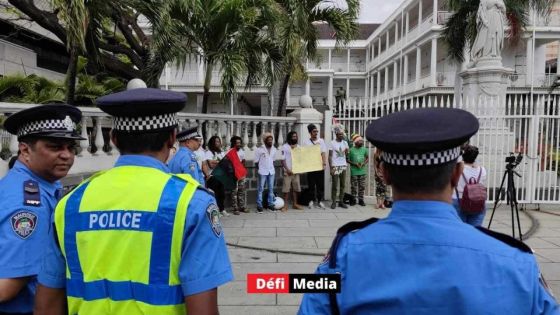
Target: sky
x=376, y=11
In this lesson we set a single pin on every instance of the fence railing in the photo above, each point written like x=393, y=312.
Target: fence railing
x=96, y=125
x=518, y=125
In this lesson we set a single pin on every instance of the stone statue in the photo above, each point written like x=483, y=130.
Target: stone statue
x=491, y=22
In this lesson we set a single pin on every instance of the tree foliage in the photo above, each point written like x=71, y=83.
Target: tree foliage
x=298, y=36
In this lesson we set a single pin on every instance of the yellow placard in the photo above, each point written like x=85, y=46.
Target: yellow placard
x=307, y=159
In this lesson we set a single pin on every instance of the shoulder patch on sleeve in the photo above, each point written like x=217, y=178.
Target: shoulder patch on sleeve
x=31, y=193
x=24, y=223
x=213, y=215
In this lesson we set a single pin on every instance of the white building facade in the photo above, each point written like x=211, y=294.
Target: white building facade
x=401, y=59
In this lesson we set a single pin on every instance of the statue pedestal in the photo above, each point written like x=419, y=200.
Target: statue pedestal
x=485, y=87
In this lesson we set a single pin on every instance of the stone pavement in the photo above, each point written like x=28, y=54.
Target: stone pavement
x=311, y=232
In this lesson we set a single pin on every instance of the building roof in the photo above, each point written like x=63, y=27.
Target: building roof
x=364, y=30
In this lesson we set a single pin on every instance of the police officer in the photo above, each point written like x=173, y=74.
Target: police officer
x=184, y=161
x=422, y=259
x=28, y=194
x=136, y=239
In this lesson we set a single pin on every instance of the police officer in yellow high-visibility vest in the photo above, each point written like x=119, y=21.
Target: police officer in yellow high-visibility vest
x=136, y=239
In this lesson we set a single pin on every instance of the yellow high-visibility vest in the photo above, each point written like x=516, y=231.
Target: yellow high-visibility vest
x=121, y=234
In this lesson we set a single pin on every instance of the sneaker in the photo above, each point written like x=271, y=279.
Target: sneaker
x=272, y=209
x=353, y=201
x=322, y=205
x=244, y=210
x=259, y=210
x=333, y=205
x=342, y=205
x=310, y=205
x=235, y=212
x=362, y=203
x=225, y=213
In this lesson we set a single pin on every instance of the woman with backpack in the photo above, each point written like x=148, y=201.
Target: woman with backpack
x=470, y=194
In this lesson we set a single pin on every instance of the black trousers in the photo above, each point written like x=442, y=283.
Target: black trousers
x=316, y=183
x=219, y=191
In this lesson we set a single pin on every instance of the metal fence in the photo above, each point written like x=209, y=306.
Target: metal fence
x=518, y=125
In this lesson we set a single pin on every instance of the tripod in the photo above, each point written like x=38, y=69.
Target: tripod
x=511, y=198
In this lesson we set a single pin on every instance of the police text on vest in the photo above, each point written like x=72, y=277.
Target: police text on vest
x=115, y=220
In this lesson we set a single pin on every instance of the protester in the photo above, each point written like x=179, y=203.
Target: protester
x=337, y=160
x=136, y=239
x=238, y=194
x=358, y=159
x=291, y=181
x=213, y=156
x=471, y=172
x=421, y=258
x=316, y=180
x=28, y=194
x=380, y=187
x=200, y=155
x=184, y=161
x=264, y=160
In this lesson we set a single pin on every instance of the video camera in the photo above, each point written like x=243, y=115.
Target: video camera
x=512, y=160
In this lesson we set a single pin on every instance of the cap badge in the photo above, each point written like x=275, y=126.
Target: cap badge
x=69, y=124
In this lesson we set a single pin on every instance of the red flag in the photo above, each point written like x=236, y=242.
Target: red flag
x=239, y=170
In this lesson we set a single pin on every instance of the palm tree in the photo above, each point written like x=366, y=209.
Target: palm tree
x=31, y=89
x=461, y=28
x=298, y=36
x=232, y=34
x=74, y=16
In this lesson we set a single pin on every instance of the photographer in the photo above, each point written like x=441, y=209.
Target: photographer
x=471, y=173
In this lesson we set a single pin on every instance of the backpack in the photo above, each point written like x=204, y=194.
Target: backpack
x=474, y=195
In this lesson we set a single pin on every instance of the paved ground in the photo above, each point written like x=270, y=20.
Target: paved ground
x=312, y=231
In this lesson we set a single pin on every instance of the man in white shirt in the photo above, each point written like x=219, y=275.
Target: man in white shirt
x=291, y=180
x=264, y=159
x=316, y=180
x=337, y=160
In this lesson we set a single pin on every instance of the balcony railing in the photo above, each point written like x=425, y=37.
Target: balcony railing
x=443, y=17
x=97, y=152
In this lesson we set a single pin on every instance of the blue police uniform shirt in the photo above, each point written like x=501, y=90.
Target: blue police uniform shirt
x=204, y=262
x=422, y=259
x=184, y=162
x=24, y=228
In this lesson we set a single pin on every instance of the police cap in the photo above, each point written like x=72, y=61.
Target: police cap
x=143, y=110
x=189, y=133
x=47, y=121
x=422, y=137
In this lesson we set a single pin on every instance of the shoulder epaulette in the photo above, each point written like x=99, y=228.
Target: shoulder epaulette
x=31, y=193
x=504, y=238
x=343, y=231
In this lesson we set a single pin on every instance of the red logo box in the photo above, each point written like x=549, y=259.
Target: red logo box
x=268, y=283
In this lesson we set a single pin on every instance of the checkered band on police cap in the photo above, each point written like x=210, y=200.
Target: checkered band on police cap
x=188, y=136
x=48, y=125
x=147, y=123
x=423, y=159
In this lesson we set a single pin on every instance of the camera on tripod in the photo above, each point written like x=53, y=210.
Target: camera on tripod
x=512, y=160
x=510, y=192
